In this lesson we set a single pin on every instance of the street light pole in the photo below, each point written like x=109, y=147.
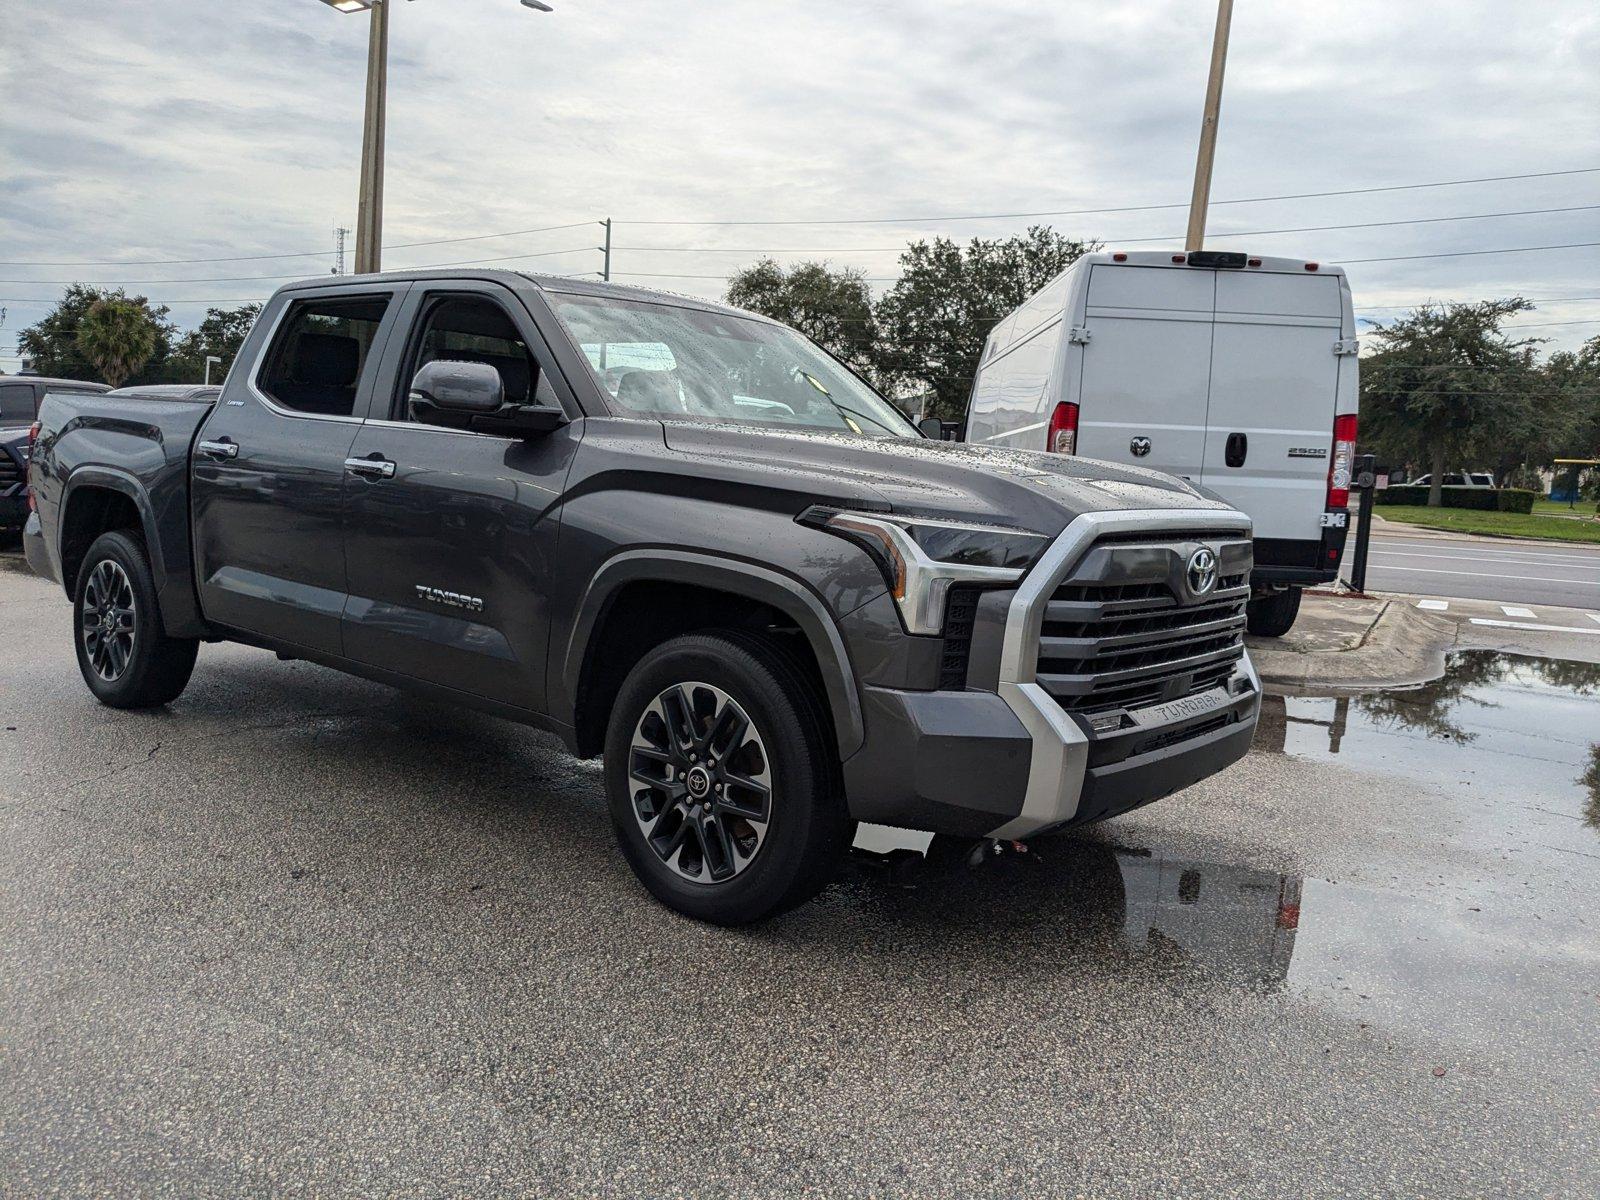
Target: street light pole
x=1196, y=236
x=369, y=213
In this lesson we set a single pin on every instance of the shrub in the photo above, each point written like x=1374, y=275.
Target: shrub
x=1512, y=500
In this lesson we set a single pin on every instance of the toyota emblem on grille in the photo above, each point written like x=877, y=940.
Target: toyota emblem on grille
x=1140, y=446
x=1202, y=571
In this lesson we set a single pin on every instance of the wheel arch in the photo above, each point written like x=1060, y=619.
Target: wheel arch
x=96, y=500
x=586, y=679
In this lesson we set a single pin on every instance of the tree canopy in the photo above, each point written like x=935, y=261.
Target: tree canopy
x=221, y=334
x=52, y=344
x=831, y=307
x=117, y=336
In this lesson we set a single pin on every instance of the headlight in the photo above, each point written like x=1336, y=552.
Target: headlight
x=922, y=557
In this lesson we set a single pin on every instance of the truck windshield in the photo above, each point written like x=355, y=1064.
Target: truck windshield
x=662, y=361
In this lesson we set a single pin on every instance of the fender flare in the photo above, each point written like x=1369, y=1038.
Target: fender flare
x=112, y=479
x=783, y=592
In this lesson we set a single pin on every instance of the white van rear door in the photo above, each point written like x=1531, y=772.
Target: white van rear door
x=1146, y=368
x=1274, y=380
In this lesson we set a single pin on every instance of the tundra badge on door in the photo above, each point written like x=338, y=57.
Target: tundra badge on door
x=449, y=599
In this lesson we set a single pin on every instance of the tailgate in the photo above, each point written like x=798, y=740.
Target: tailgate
x=1274, y=384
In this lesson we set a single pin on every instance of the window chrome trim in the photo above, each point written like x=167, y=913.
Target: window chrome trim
x=1060, y=749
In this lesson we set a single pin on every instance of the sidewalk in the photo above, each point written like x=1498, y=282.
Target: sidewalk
x=1348, y=642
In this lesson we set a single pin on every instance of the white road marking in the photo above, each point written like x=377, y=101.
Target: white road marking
x=1490, y=548
x=1483, y=575
x=1594, y=616
x=1511, y=610
x=1434, y=605
x=1525, y=625
x=1497, y=561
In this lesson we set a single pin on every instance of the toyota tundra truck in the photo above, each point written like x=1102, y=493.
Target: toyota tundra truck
x=676, y=535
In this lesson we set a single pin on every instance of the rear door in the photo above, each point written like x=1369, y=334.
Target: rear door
x=1146, y=368
x=1274, y=383
x=269, y=475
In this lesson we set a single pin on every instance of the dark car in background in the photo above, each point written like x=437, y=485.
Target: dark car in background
x=19, y=406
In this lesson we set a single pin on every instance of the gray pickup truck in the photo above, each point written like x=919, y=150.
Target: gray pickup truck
x=670, y=532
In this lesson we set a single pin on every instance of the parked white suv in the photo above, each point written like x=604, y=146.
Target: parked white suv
x=1234, y=372
x=1471, y=479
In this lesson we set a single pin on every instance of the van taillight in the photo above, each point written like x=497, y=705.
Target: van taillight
x=1344, y=456
x=1063, y=436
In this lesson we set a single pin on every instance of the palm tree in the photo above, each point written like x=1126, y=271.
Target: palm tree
x=118, y=336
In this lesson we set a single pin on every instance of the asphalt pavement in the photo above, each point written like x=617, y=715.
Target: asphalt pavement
x=1525, y=573
x=298, y=935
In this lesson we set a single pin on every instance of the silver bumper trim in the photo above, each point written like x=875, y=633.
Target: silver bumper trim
x=1060, y=748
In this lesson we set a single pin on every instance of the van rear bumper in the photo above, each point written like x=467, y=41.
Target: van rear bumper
x=1298, y=561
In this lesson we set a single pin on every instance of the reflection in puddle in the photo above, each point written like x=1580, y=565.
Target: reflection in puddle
x=1521, y=726
x=1233, y=924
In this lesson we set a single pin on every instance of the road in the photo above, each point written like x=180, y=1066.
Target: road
x=297, y=935
x=1516, y=573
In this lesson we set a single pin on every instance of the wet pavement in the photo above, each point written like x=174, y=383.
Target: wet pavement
x=301, y=935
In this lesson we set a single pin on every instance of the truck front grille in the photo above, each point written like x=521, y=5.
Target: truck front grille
x=1123, y=630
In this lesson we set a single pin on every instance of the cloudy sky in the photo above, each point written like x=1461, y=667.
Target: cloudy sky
x=195, y=129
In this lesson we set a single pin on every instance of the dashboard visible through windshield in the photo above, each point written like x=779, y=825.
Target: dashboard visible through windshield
x=659, y=360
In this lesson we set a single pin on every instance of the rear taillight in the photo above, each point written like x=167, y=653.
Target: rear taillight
x=1344, y=456
x=1063, y=436
x=33, y=438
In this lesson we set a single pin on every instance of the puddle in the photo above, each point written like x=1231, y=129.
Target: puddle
x=1527, y=729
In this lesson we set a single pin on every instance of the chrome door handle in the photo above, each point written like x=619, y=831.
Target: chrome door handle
x=372, y=468
x=220, y=449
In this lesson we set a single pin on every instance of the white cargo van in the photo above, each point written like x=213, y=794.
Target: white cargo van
x=1236, y=372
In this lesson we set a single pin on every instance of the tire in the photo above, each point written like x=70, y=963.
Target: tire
x=688, y=828
x=126, y=658
x=1273, y=615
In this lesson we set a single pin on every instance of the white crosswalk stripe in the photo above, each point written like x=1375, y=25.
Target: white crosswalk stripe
x=1442, y=606
x=1511, y=610
x=1594, y=616
x=1538, y=628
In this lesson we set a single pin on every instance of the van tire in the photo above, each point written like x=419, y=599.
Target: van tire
x=807, y=832
x=147, y=668
x=1273, y=615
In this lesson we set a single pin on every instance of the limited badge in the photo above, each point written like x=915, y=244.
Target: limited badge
x=1140, y=446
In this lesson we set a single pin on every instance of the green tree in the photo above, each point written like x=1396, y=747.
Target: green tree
x=221, y=333
x=933, y=322
x=1446, y=386
x=118, y=336
x=51, y=344
x=832, y=308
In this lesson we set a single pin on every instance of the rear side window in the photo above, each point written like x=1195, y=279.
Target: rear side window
x=16, y=404
x=320, y=354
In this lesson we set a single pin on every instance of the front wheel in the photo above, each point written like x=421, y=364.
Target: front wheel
x=1273, y=615
x=722, y=779
x=126, y=658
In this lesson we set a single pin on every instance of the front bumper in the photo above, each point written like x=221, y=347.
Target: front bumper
x=1013, y=762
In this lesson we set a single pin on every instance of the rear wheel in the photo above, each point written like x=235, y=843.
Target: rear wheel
x=1273, y=615
x=722, y=779
x=126, y=658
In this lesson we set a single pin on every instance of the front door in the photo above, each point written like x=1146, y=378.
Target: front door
x=268, y=480
x=451, y=534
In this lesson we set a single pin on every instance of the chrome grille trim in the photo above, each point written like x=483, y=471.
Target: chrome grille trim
x=1060, y=748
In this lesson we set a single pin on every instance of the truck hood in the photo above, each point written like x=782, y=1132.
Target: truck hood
x=1037, y=491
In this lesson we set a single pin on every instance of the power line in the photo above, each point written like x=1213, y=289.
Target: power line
x=1468, y=253
x=163, y=262
x=1080, y=212
x=1171, y=237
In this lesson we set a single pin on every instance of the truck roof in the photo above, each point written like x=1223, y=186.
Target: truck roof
x=549, y=283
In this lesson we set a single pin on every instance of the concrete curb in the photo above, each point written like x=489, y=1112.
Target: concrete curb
x=1399, y=646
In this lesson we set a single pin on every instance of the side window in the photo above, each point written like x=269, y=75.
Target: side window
x=316, y=363
x=16, y=404
x=460, y=328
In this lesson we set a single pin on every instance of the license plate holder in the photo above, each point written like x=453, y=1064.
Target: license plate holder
x=1199, y=705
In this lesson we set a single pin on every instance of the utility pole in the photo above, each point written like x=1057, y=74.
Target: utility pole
x=1208, y=130
x=340, y=232
x=369, y=212
x=605, y=271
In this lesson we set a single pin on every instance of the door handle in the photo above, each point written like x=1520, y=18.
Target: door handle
x=1238, y=445
x=370, y=468
x=226, y=448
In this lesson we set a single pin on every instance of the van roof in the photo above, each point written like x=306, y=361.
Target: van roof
x=1176, y=260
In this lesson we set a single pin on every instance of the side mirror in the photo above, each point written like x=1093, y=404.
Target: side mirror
x=458, y=387
x=932, y=428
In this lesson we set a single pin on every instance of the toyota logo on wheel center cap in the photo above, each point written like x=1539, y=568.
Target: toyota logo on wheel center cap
x=698, y=781
x=1202, y=571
